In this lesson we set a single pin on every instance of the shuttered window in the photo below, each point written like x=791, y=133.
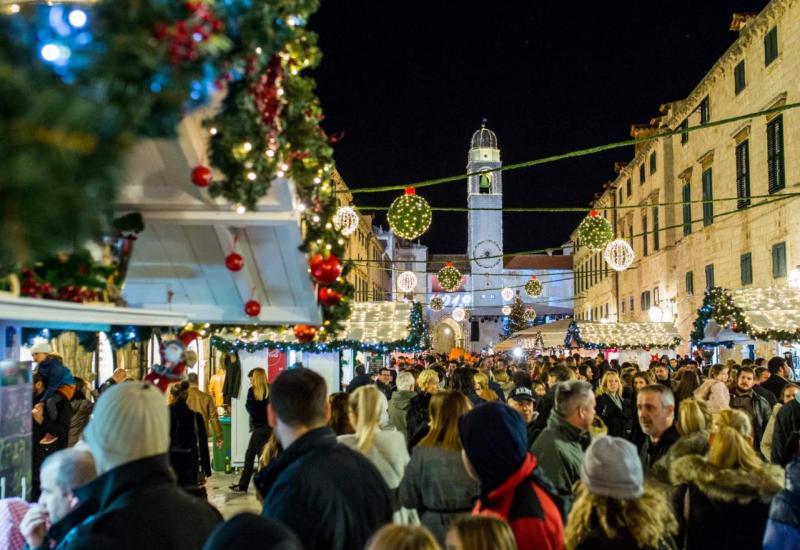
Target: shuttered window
x=644, y=235
x=653, y=162
x=771, y=46
x=746, y=265
x=776, y=179
x=743, y=174
x=709, y=276
x=656, y=237
x=689, y=283
x=779, y=260
x=739, y=78
x=687, y=208
x=684, y=135
x=705, y=111
x=708, y=195
x=642, y=174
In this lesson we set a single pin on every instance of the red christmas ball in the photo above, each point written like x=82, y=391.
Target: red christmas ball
x=329, y=297
x=304, y=333
x=234, y=261
x=325, y=271
x=201, y=176
x=252, y=308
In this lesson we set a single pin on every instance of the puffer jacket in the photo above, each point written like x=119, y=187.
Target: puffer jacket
x=559, y=450
x=81, y=412
x=724, y=508
x=783, y=525
x=398, y=408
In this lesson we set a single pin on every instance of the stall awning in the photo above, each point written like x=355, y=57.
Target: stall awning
x=622, y=335
x=547, y=336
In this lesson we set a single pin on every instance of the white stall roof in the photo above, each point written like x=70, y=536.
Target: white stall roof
x=178, y=261
x=657, y=335
x=552, y=336
x=769, y=308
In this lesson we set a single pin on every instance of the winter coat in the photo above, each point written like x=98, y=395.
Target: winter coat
x=138, y=505
x=783, y=525
x=759, y=414
x=398, y=408
x=358, y=381
x=787, y=424
x=766, y=439
x=257, y=409
x=724, y=508
x=691, y=444
x=54, y=374
x=417, y=414
x=650, y=453
x=559, y=450
x=617, y=418
x=715, y=394
x=233, y=378
x=438, y=486
x=389, y=454
x=543, y=406
x=774, y=384
x=766, y=394
x=331, y=496
x=526, y=501
x=81, y=412
x=188, y=446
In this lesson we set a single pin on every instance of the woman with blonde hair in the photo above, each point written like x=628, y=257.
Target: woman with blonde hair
x=726, y=494
x=694, y=425
x=613, y=507
x=482, y=390
x=417, y=415
x=480, y=533
x=256, y=405
x=436, y=482
x=613, y=409
x=402, y=537
x=386, y=449
x=714, y=391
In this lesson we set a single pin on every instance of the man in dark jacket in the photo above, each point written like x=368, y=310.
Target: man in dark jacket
x=360, y=379
x=656, y=407
x=43, y=423
x=331, y=496
x=762, y=375
x=778, y=372
x=743, y=397
x=787, y=430
x=544, y=405
x=135, y=503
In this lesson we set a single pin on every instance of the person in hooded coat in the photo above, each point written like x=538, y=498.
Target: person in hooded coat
x=417, y=415
x=783, y=525
x=401, y=401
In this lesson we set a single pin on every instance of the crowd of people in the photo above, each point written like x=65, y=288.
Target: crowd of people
x=432, y=453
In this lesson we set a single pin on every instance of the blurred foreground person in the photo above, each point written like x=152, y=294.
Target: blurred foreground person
x=47, y=522
x=480, y=533
x=783, y=526
x=246, y=531
x=613, y=508
x=495, y=441
x=402, y=537
x=331, y=496
x=135, y=503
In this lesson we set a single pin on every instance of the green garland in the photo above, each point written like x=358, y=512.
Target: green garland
x=718, y=305
x=418, y=339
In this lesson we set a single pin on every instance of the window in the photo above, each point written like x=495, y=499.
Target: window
x=644, y=301
x=641, y=174
x=743, y=174
x=687, y=208
x=644, y=234
x=656, y=238
x=779, y=260
x=705, y=111
x=689, y=283
x=708, y=196
x=631, y=304
x=771, y=46
x=622, y=306
x=685, y=134
x=746, y=265
x=653, y=162
x=630, y=234
x=775, y=176
x=739, y=81
x=656, y=296
x=709, y=276
x=620, y=195
x=628, y=187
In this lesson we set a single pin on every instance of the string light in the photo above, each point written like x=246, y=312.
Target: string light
x=406, y=281
x=409, y=215
x=619, y=255
x=346, y=220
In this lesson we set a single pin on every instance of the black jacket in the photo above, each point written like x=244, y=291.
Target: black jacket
x=188, y=445
x=766, y=394
x=785, y=507
x=417, y=414
x=787, y=425
x=775, y=384
x=618, y=419
x=233, y=378
x=543, y=406
x=760, y=414
x=331, y=496
x=358, y=381
x=257, y=408
x=138, y=506
x=650, y=453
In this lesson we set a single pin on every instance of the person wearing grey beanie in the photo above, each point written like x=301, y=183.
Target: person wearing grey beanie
x=613, y=508
x=128, y=437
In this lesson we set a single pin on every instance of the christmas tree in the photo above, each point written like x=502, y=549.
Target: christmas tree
x=516, y=319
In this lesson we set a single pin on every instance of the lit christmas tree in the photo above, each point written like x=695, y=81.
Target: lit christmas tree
x=516, y=319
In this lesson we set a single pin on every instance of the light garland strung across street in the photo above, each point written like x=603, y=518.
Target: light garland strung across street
x=619, y=255
x=346, y=220
x=406, y=281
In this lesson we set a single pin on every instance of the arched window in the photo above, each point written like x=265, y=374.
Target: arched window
x=485, y=183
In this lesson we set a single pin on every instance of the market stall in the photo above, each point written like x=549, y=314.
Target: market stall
x=540, y=339
x=749, y=323
x=625, y=341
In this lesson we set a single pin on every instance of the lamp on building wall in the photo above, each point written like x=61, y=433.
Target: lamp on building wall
x=793, y=280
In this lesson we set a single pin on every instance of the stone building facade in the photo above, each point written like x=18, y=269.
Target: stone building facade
x=682, y=244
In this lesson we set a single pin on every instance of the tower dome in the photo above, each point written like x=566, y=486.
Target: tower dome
x=484, y=138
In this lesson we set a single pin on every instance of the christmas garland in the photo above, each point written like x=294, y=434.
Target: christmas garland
x=718, y=305
x=573, y=334
x=118, y=335
x=418, y=339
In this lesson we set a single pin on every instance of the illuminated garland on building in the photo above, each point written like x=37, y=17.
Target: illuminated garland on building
x=409, y=215
x=573, y=335
x=595, y=231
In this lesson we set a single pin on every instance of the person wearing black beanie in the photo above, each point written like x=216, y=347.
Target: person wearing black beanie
x=495, y=452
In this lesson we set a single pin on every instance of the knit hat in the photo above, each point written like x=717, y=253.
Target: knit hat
x=130, y=421
x=611, y=468
x=41, y=347
x=495, y=439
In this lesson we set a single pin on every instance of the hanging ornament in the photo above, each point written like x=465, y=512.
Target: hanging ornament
x=329, y=297
x=234, y=261
x=449, y=277
x=201, y=176
x=409, y=215
x=458, y=314
x=595, y=231
x=507, y=294
x=619, y=255
x=406, y=281
x=252, y=308
x=534, y=288
x=304, y=333
x=325, y=271
x=436, y=303
x=346, y=220
x=506, y=310
x=530, y=314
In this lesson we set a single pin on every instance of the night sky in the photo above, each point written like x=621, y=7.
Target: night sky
x=409, y=82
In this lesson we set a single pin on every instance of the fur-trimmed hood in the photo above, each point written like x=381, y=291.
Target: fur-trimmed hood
x=728, y=485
